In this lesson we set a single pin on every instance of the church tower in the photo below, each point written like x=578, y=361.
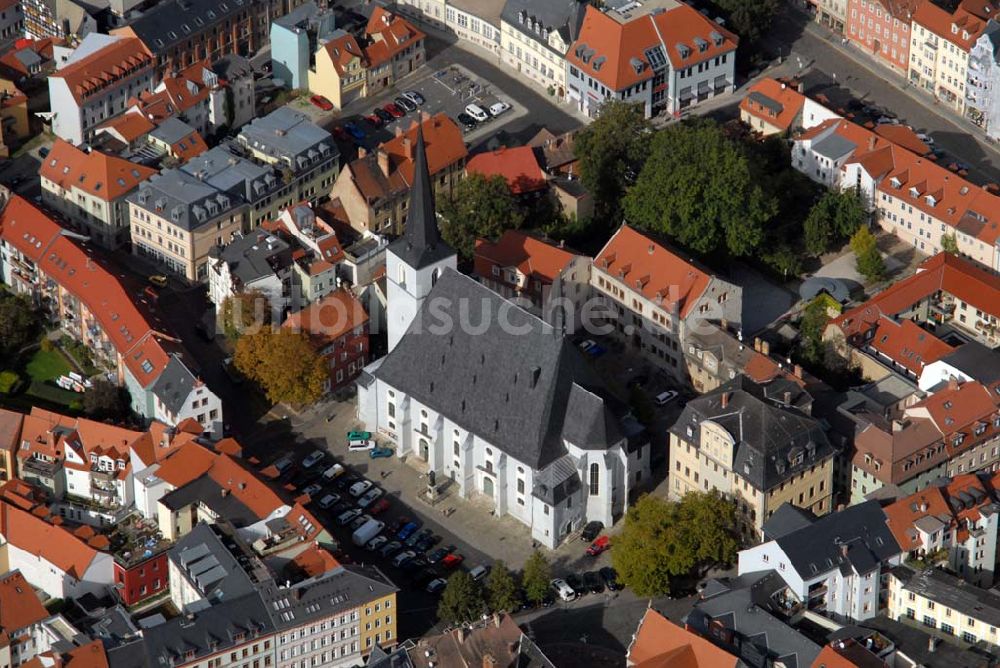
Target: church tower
x=415, y=260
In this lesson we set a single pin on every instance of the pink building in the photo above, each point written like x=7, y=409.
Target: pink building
x=882, y=28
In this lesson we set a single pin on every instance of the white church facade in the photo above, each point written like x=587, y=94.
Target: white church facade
x=506, y=409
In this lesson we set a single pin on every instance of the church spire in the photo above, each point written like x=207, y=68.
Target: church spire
x=421, y=243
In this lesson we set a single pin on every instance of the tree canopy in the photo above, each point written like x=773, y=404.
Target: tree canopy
x=833, y=218
x=611, y=152
x=869, y=260
x=461, y=600
x=697, y=186
x=663, y=539
x=105, y=401
x=750, y=19
x=19, y=324
x=284, y=363
x=949, y=243
x=537, y=577
x=501, y=588
x=245, y=313
x=480, y=206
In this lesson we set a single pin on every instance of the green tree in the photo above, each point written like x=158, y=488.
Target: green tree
x=20, y=323
x=283, y=363
x=501, y=589
x=480, y=207
x=783, y=260
x=245, y=313
x=105, y=401
x=750, y=19
x=663, y=539
x=949, y=243
x=461, y=600
x=537, y=577
x=836, y=216
x=811, y=328
x=697, y=187
x=869, y=260
x=611, y=152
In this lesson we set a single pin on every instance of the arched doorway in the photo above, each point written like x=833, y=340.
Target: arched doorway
x=488, y=487
x=424, y=449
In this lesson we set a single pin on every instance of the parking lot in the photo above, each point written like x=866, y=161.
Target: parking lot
x=478, y=536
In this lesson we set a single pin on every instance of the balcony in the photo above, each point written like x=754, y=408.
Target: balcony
x=103, y=474
x=41, y=467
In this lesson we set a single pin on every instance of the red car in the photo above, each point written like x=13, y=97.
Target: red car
x=340, y=133
x=452, y=561
x=394, y=110
x=321, y=102
x=602, y=544
x=379, y=507
x=374, y=121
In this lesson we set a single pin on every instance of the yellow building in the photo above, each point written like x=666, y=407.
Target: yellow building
x=340, y=71
x=938, y=600
x=756, y=444
x=378, y=622
x=939, y=51
x=13, y=117
x=534, y=38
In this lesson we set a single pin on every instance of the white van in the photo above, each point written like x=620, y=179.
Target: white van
x=357, y=446
x=477, y=112
x=565, y=592
x=479, y=572
x=367, y=531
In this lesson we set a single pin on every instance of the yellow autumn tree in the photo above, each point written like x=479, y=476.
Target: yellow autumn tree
x=283, y=363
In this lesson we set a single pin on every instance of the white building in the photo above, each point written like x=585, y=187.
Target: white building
x=510, y=411
x=535, y=36
x=983, y=89
x=96, y=82
x=835, y=565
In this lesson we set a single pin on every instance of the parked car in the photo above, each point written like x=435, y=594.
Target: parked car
x=390, y=548
x=283, y=464
x=333, y=472
x=374, y=121
x=367, y=531
x=399, y=524
x=414, y=565
x=321, y=102
x=407, y=532
x=414, y=97
x=313, y=489
x=467, y=122
x=403, y=557
x=375, y=543
x=354, y=130
x=376, y=453
x=382, y=114
x=591, y=531
x=359, y=522
x=339, y=133
x=358, y=446
x=563, y=589
x=404, y=103
x=369, y=497
x=602, y=544
x=348, y=516
x=395, y=111
x=327, y=501
x=427, y=542
x=360, y=487
x=593, y=582
x=664, y=398
x=312, y=459
x=452, y=561
x=440, y=553
x=477, y=112
x=158, y=280
x=610, y=578
x=498, y=108
x=479, y=572
x=417, y=537
x=925, y=138
x=575, y=583
x=436, y=585
x=379, y=507
x=345, y=482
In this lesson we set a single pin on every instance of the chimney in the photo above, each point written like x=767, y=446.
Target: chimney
x=489, y=661
x=801, y=87
x=871, y=143
x=725, y=399
x=225, y=492
x=362, y=152
x=383, y=162
x=756, y=343
x=953, y=383
x=897, y=425
x=797, y=370
x=765, y=348
x=408, y=148
x=843, y=550
x=788, y=398
x=724, y=324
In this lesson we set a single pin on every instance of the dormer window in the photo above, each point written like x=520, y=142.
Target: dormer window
x=930, y=200
x=896, y=183
x=914, y=192
x=716, y=38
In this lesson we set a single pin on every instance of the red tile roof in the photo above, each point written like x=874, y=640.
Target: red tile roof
x=105, y=177
x=35, y=536
x=442, y=140
x=611, y=48
x=962, y=28
x=787, y=97
x=908, y=344
x=329, y=318
x=535, y=258
x=19, y=604
x=903, y=136
x=659, y=643
x=941, y=502
x=97, y=70
x=130, y=126
x=390, y=34
x=658, y=273
x=344, y=49
x=518, y=166
x=958, y=408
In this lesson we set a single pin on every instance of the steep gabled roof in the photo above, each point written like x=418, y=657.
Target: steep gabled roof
x=103, y=176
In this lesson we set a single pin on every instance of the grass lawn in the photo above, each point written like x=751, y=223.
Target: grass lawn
x=51, y=392
x=45, y=366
